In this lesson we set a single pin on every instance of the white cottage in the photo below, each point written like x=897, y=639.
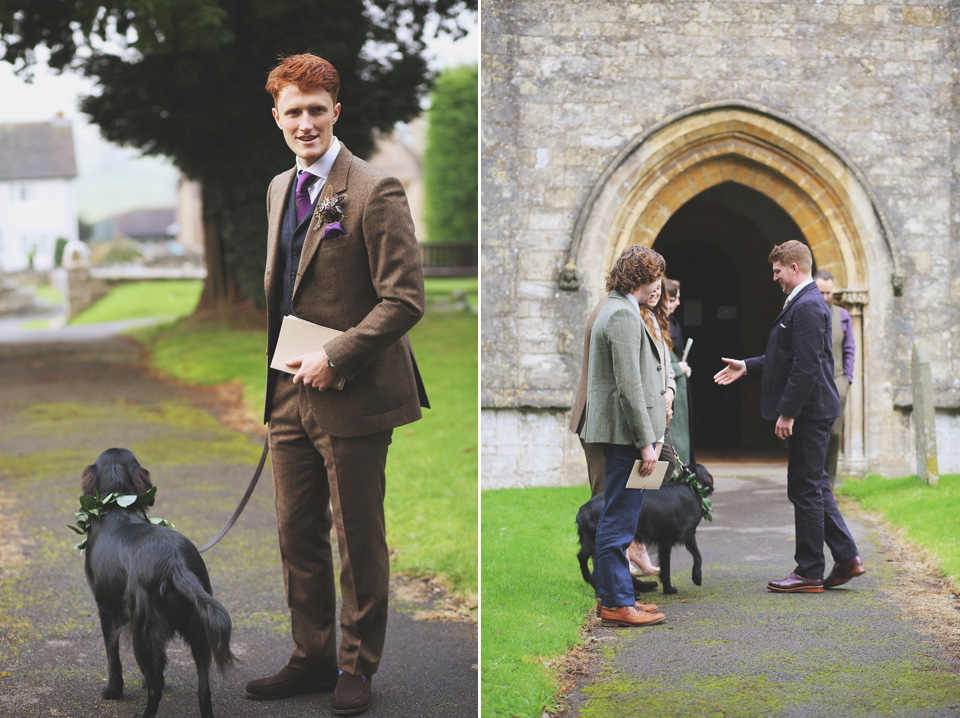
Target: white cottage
x=38, y=202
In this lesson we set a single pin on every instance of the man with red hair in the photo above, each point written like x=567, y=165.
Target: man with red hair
x=341, y=253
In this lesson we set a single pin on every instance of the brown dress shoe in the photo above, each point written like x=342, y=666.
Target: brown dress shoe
x=291, y=682
x=796, y=584
x=843, y=572
x=628, y=616
x=645, y=607
x=352, y=695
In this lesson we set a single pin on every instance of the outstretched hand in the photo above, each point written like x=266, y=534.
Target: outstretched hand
x=731, y=372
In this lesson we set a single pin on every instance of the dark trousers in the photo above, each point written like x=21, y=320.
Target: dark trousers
x=323, y=482
x=816, y=515
x=616, y=527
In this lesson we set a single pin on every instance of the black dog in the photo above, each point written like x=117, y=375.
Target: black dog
x=151, y=581
x=669, y=516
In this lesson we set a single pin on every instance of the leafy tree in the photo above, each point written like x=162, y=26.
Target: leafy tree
x=184, y=78
x=450, y=158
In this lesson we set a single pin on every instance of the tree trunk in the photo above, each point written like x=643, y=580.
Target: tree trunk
x=220, y=289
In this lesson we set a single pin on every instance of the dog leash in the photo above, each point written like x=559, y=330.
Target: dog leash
x=243, y=501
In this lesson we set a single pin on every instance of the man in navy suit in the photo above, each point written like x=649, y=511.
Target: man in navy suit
x=797, y=391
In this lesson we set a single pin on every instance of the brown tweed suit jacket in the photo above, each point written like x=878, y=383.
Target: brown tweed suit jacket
x=367, y=283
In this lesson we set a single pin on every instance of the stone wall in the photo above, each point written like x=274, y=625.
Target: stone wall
x=567, y=84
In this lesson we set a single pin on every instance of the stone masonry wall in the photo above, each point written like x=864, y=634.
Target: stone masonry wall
x=567, y=83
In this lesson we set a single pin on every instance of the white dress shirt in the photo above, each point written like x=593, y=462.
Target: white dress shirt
x=321, y=168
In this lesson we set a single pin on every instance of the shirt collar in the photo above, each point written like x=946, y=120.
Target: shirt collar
x=796, y=289
x=321, y=168
x=633, y=299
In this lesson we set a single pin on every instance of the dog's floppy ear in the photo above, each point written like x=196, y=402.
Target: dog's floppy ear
x=141, y=480
x=88, y=480
x=704, y=476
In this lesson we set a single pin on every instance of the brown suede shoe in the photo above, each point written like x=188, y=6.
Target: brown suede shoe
x=628, y=616
x=352, y=695
x=796, y=584
x=290, y=682
x=645, y=607
x=843, y=572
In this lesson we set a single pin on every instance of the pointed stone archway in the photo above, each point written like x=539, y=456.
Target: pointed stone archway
x=820, y=190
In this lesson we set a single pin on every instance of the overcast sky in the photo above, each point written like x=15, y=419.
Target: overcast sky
x=114, y=179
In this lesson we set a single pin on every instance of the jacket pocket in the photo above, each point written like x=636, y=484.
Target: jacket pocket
x=383, y=385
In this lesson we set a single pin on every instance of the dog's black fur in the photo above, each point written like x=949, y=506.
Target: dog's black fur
x=669, y=516
x=149, y=580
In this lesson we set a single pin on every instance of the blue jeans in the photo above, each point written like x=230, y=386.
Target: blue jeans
x=616, y=527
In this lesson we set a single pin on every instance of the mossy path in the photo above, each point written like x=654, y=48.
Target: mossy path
x=60, y=406
x=732, y=648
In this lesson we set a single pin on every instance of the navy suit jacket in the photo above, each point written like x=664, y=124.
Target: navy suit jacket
x=796, y=371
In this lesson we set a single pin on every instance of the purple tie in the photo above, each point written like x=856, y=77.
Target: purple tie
x=304, y=180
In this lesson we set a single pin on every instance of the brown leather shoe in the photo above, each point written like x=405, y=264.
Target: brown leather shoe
x=645, y=607
x=796, y=584
x=290, y=682
x=628, y=616
x=352, y=695
x=843, y=572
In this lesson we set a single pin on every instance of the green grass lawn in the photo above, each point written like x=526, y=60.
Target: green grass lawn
x=141, y=300
x=929, y=515
x=442, y=289
x=534, y=599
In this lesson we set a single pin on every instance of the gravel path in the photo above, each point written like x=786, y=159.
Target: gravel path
x=65, y=399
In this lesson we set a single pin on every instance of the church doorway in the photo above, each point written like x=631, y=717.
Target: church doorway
x=713, y=188
x=716, y=245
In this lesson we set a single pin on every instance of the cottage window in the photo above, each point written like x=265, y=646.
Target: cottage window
x=22, y=191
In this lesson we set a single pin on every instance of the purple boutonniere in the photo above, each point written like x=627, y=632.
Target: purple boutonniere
x=330, y=212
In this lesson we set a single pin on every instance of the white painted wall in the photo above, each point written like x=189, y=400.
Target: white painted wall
x=33, y=214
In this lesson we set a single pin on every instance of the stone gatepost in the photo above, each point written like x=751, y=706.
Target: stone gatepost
x=924, y=428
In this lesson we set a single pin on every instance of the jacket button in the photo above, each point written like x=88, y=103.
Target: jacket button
x=659, y=368
x=662, y=392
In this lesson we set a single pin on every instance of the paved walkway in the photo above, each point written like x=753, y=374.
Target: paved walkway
x=732, y=648
x=63, y=401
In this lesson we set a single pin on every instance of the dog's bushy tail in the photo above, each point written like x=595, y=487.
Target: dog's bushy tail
x=214, y=617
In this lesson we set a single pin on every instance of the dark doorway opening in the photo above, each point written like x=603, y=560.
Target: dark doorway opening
x=716, y=245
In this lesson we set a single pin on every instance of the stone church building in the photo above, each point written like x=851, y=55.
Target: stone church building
x=710, y=131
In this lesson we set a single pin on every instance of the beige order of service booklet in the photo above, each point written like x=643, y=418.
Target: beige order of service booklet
x=647, y=482
x=299, y=337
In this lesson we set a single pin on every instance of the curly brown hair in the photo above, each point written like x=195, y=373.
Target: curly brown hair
x=308, y=72
x=636, y=266
x=792, y=252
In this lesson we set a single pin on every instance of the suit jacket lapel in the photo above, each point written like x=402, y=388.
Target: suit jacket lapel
x=795, y=300
x=336, y=184
x=278, y=201
x=654, y=340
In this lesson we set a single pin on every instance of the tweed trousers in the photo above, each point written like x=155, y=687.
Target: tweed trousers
x=323, y=482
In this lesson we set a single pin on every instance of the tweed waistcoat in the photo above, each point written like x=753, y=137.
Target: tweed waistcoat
x=291, y=245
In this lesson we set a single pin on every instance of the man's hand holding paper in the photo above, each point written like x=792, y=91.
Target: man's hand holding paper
x=313, y=370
